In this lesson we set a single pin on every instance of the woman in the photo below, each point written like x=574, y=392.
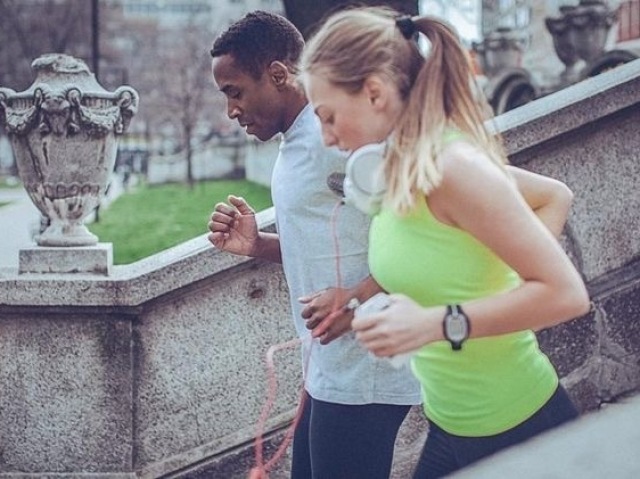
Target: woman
x=472, y=271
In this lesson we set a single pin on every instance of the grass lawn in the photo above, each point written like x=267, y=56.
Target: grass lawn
x=150, y=219
x=9, y=182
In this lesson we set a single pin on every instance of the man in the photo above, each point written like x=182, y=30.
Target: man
x=355, y=402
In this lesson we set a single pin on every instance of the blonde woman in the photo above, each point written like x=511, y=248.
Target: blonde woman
x=472, y=271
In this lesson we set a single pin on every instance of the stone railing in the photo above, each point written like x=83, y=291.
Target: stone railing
x=588, y=136
x=157, y=368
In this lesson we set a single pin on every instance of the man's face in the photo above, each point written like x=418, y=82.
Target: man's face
x=255, y=104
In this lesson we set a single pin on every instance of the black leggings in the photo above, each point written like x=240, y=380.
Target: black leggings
x=338, y=441
x=444, y=453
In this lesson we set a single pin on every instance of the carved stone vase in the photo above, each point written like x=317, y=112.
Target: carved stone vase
x=580, y=33
x=591, y=22
x=501, y=50
x=564, y=43
x=64, y=132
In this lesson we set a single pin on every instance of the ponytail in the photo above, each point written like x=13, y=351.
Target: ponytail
x=444, y=96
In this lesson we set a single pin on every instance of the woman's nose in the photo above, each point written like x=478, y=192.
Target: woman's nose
x=329, y=138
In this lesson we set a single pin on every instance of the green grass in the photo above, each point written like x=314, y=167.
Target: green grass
x=153, y=218
x=10, y=182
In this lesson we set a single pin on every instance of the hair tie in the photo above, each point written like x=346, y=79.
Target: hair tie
x=406, y=26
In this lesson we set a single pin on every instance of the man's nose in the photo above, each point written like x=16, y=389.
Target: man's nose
x=233, y=112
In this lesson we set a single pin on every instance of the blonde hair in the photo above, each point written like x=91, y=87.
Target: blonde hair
x=439, y=90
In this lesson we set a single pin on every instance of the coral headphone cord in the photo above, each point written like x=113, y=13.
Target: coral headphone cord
x=262, y=468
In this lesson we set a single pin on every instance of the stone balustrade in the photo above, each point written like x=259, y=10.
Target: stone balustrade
x=157, y=368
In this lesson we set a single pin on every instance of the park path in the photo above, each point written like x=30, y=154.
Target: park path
x=19, y=220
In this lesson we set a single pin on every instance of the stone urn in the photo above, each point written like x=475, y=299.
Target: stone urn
x=564, y=43
x=591, y=21
x=500, y=50
x=64, y=132
x=580, y=33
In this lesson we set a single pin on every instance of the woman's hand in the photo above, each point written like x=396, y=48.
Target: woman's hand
x=403, y=326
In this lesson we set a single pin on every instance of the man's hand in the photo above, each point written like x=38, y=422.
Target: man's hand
x=233, y=227
x=327, y=314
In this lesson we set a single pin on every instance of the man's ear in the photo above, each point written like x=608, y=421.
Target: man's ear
x=278, y=73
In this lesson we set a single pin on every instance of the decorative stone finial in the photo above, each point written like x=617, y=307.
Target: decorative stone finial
x=63, y=130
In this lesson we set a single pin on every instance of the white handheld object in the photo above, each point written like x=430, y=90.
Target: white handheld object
x=374, y=304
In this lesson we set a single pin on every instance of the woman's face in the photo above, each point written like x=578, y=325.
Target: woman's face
x=348, y=121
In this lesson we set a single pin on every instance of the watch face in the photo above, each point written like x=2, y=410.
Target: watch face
x=456, y=327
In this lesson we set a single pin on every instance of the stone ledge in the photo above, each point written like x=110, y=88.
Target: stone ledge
x=561, y=112
x=62, y=475
x=128, y=285
x=599, y=444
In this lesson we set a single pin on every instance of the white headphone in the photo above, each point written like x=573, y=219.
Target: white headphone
x=364, y=184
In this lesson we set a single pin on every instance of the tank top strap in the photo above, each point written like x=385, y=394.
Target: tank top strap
x=450, y=135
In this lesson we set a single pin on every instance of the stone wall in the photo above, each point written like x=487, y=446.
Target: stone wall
x=157, y=370
x=142, y=373
x=589, y=137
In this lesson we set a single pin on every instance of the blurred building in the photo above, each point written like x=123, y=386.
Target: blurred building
x=465, y=15
x=174, y=13
x=476, y=20
x=155, y=145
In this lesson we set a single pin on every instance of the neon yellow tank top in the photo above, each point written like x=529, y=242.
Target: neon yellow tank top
x=493, y=383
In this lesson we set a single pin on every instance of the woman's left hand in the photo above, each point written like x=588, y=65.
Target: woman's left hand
x=403, y=326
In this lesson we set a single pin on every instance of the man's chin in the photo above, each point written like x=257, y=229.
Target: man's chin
x=262, y=135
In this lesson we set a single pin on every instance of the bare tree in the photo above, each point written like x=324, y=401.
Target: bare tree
x=31, y=28
x=185, y=84
x=169, y=65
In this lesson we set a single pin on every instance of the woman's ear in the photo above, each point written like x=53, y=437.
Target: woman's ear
x=278, y=73
x=377, y=91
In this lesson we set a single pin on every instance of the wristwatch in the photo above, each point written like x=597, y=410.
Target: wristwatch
x=456, y=326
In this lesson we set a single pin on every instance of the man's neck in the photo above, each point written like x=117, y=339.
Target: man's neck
x=296, y=101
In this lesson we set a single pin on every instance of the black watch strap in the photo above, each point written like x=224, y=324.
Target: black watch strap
x=456, y=326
